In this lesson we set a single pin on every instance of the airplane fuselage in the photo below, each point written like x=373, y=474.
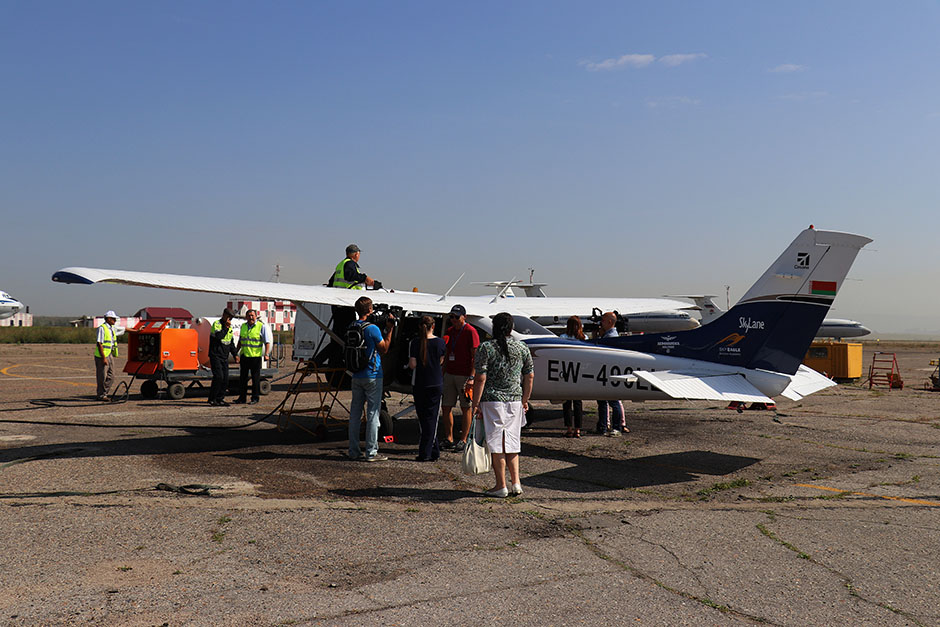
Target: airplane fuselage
x=838, y=328
x=9, y=305
x=566, y=370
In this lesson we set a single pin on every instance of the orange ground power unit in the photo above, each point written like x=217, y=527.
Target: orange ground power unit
x=153, y=346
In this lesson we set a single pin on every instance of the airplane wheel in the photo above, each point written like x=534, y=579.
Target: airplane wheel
x=148, y=389
x=176, y=391
x=264, y=387
x=386, y=425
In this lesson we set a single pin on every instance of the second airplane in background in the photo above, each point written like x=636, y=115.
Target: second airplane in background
x=835, y=328
x=9, y=306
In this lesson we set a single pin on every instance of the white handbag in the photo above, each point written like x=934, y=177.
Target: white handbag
x=476, y=457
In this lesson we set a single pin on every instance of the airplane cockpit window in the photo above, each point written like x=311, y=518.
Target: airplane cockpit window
x=527, y=326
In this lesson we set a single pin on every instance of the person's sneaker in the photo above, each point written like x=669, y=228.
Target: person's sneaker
x=239, y=401
x=221, y=404
x=104, y=399
x=459, y=447
x=447, y=445
x=497, y=492
x=613, y=433
x=354, y=458
x=253, y=401
x=515, y=489
x=378, y=457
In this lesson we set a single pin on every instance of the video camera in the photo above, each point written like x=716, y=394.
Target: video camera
x=383, y=313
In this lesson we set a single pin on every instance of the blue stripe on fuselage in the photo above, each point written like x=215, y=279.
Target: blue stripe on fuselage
x=770, y=334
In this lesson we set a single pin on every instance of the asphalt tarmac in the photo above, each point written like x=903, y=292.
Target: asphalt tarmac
x=823, y=512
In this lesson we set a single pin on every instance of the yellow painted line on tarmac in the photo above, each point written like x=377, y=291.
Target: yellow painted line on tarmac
x=6, y=371
x=879, y=496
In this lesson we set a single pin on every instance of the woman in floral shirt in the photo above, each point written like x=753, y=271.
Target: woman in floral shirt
x=501, y=392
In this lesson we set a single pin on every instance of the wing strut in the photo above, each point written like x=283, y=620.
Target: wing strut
x=447, y=293
x=503, y=290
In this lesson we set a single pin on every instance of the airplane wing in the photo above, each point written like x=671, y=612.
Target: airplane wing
x=477, y=306
x=261, y=290
x=707, y=387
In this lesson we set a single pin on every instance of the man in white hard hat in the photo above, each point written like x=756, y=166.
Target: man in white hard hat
x=105, y=351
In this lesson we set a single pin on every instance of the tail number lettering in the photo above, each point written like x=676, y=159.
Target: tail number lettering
x=560, y=370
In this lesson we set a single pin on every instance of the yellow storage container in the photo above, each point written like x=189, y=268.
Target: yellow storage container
x=841, y=361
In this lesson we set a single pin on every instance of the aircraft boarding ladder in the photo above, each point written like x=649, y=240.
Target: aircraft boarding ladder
x=884, y=370
x=309, y=378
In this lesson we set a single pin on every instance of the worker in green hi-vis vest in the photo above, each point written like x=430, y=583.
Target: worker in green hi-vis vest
x=346, y=275
x=105, y=351
x=254, y=344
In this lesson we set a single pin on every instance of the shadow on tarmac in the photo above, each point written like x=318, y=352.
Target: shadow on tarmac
x=597, y=474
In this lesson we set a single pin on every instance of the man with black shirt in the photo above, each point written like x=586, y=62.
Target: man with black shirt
x=221, y=346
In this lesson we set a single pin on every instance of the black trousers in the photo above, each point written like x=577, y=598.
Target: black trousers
x=250, y=366
x=578, y=408
x=332, y=353
x=219, y=378
x=428, y=408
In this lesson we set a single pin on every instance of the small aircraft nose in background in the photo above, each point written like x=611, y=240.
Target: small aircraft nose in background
x=9, y=305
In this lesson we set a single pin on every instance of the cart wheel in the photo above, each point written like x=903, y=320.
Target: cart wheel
x=386, y=426
x=264, y=387
x=176, y=391
x=148, y=389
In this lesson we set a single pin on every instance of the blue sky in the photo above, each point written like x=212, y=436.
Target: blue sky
x=634, y=148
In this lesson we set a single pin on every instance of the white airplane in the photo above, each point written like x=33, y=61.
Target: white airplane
x=835, y=328
x=666, y=321
x=751, y=354
x=9, y=306
x=528, y=309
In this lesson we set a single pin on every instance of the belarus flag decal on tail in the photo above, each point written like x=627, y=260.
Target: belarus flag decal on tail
x=825, y=288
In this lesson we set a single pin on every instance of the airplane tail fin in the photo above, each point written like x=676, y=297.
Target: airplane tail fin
x=772, y=326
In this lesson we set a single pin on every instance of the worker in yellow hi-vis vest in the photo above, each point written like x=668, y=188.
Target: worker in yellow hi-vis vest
x=346, y=275
x=254, y=344
x=105, y=351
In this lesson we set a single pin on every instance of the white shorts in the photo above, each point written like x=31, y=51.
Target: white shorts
x=503, y=421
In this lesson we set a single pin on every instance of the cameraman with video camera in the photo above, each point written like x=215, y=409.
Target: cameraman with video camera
x=367, y=380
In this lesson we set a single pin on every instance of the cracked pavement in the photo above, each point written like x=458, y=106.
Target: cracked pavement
x=825, y=512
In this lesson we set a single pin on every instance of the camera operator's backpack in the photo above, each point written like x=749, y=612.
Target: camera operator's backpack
x=355, y=350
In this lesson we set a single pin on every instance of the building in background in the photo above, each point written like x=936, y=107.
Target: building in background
x=279, y=314
x=20, y=319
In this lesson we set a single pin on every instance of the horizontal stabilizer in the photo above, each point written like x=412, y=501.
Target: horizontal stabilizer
x=806, y=381
x=709, y=387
